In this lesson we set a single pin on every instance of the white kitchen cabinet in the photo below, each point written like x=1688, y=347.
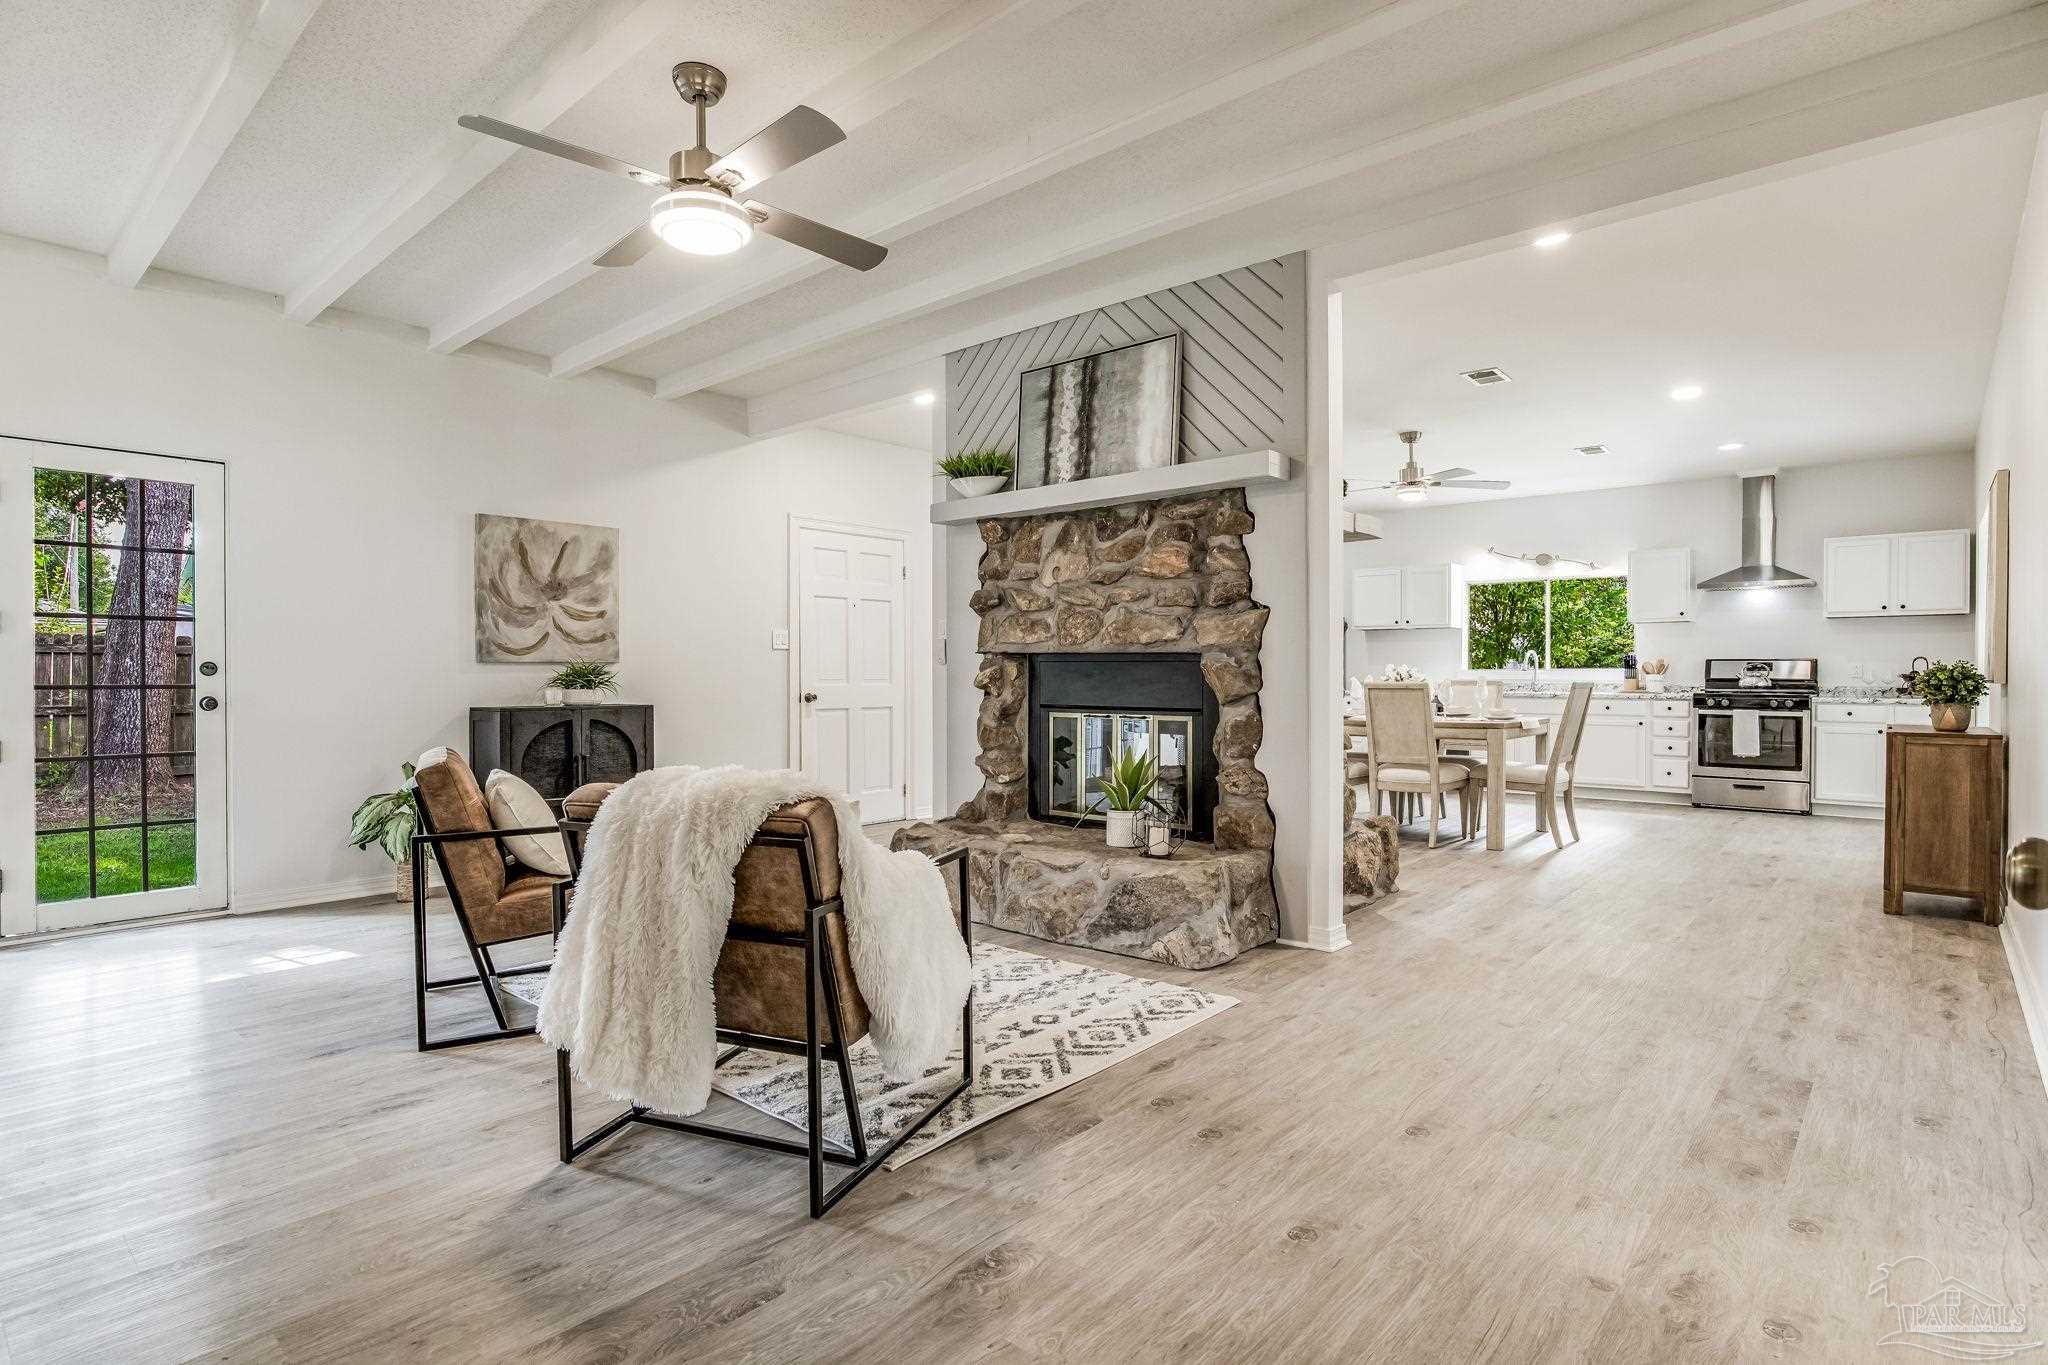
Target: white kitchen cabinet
x=1376, y=599
x=1848, y=763
x=1660, y=585
x=1919, y=573
x=1412, y=597
x=1614, y=751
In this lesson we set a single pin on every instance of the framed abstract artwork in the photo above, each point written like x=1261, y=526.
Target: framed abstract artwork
x=546, y=591
x=1109, y=412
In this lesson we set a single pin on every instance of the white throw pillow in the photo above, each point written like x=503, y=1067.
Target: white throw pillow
x=516, y=805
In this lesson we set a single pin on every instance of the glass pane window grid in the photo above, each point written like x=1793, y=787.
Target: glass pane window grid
x=1081, y=746
x=1564, y=622
x=114, y=592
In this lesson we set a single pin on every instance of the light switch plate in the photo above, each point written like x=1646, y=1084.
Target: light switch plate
x=779, y=640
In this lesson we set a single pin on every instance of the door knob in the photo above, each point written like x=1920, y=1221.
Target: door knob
x=810, y=696
x=2026, y=873
x=208, y=703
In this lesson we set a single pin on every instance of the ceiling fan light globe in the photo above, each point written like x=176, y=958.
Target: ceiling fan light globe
x=701, y=222
x=1412, y=495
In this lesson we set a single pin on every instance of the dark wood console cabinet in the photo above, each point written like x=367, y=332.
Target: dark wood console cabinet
x=1944, y=816
x=559, y=748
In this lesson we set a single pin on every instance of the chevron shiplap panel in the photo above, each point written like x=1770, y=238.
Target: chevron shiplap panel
x=1243, y=362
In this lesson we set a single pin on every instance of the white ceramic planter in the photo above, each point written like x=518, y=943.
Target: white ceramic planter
x=980, y=486
x=551, y=695
x=583, y=696
x=1122, y=828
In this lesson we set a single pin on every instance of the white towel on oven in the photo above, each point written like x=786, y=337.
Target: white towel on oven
x=1747, y=737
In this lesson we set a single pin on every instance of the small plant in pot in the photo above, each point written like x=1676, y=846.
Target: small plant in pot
x=1126, y=791
x=584, y=684
x=976, y=473
x=1951, y=690
x=389, y=820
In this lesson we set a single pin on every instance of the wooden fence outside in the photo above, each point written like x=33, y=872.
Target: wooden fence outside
x=61, y=715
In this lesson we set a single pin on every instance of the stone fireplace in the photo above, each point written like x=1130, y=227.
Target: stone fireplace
x=1133, y=623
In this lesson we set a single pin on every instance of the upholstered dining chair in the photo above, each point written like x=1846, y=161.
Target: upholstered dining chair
x=1553, y=778
x=1402, y=754
x=496, y=899
x=785, y=982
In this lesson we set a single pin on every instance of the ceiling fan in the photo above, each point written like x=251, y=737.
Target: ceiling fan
x=1413, y=485
x=699, y=210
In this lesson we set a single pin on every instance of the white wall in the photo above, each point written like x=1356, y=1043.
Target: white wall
x=1927, y=493
x=2014, y=435
x=355, y=466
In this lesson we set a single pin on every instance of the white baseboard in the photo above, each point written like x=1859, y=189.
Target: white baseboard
x=295, y=897
x=2027, y=984
x=1327, y=939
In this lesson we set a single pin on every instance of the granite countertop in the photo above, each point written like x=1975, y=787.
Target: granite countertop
x=1863, y=692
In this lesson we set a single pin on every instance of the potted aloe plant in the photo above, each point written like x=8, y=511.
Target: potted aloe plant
x=1126, y=789
x=1951, y=690
x=977, y=473
x=389, y=820
x=584, y=684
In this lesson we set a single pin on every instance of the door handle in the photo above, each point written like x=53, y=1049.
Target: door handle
x=209, y=703
x=810, y=696
x=2026, y=873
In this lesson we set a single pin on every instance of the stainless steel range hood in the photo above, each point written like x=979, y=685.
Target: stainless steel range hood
x=1759, y=568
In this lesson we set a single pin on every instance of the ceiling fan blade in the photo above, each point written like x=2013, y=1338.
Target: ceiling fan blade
x=630, y=247
x=1456, y=473
x=1473, y=483
x=800, y=133
x=541, y=142
x=798, y=230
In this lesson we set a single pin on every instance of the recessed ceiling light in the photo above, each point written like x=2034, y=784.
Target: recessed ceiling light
x=1591, y=450
x=1729, y=445
x=1552, y=239
x=1685, y=393
x=924, y=398
x=1491, y=374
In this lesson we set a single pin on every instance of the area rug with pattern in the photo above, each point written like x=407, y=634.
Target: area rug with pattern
x=1040, y=1025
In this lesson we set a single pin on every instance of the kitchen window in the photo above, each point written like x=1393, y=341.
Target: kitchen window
x=1568, y=622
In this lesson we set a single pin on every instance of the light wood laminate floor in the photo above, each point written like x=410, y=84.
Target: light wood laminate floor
x=1676, y=1092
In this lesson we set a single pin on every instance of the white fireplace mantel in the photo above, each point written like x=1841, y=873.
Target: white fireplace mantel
x=1197, y=476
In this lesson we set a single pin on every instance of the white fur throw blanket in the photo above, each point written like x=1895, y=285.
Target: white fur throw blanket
x=629, y=998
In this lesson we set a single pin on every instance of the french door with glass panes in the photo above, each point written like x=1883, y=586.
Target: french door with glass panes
x=113, y=748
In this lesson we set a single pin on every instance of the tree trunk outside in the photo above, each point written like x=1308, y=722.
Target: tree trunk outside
x=126, y=720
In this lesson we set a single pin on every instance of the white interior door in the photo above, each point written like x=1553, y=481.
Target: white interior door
x=115, y=738
x=852, y=698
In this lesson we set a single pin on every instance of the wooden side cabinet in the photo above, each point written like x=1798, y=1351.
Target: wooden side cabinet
x=559, y=748
x=1944, y=817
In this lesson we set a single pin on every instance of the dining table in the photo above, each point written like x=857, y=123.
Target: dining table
x=1494, y=732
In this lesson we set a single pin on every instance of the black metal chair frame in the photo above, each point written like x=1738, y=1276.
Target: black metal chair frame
x=487, y=971
x=820, y=976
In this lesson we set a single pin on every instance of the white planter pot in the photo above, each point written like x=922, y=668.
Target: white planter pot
x=551, y=695
x=980, y=486
x=583, y=696
x=1122, y=828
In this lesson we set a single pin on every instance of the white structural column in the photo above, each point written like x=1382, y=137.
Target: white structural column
x=1323, y=534
x=593, y=51
x=244, y=72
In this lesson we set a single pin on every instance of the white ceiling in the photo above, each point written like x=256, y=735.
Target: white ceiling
x=1014, y=154
x=902, y=423
x=1846, y=313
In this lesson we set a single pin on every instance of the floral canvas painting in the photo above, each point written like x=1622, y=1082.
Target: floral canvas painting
x=546, y=591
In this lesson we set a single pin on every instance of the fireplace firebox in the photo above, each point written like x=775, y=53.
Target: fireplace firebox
x=1086, y=708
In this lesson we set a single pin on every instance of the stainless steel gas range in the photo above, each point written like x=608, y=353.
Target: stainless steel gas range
x=1752, y=735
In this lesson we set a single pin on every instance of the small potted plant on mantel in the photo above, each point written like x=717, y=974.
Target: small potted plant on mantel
x=582, y=684
x=1126, y=790
x=389, y=820
x=1951, y=690
x=977, y=473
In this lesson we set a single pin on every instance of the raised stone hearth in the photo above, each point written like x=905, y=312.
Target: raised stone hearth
x=1199, y=908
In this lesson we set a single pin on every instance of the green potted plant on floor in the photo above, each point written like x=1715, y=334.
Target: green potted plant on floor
x=977, y=473
x=1951, y=689
x=389, y=820
x=584, y=684
x=1125, y=790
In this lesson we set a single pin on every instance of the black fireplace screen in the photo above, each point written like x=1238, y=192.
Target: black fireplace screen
x=1087, y=708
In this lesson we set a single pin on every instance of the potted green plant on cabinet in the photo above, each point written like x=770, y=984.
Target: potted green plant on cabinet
x=1951, y=690
x=389, y=820
x=584, y=684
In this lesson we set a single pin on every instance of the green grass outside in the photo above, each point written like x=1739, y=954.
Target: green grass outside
x=62, y=874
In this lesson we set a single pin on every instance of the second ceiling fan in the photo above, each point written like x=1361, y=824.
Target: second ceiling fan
x=700, y=209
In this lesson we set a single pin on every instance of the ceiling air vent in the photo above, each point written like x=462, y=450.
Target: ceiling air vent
x=1489, y=375
x=1591, y=450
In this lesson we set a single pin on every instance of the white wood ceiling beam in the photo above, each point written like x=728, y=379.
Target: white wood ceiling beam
x=592, y=52
x=866, y=92
x=246, y=68
x=1114, y=230
x=794, y=409
x=1025, y=161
